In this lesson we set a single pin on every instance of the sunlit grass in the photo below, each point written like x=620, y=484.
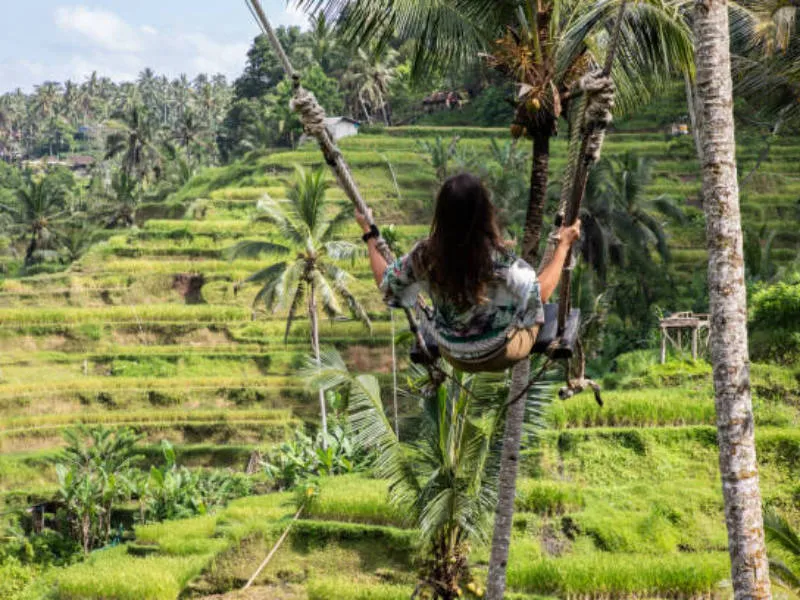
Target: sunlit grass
x=600, y=575
x=355, y=499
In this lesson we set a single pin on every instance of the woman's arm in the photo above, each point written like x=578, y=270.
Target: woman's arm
x=376, y=260
x=551, y=274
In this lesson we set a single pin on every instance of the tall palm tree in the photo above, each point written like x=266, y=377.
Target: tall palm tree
x=36, y=216
x=188, y=131
x=543, y=47
x=728, y=300
x=126, y=192
x=47, y=106
x=46, y=99
x=182, y=93
x=368, y=78
x=324, y=42
x=308, y=223
x=619, y=221
x=89, y=100
x=71, y=102
x=445, y=480
x=133, y=138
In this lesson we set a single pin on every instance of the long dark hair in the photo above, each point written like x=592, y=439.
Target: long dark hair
x=457, y=257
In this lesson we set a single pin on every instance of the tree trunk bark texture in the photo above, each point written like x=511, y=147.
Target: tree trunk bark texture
x=515, y=417
x=729, y=355
x=694, y=119
x=538, y=197
x=314, y=318
x=507, y=484
x=394, y=379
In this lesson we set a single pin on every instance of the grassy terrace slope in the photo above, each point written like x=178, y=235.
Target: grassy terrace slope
x=619, y=502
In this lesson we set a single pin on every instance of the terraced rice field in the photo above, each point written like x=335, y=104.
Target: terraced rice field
x=616, y=502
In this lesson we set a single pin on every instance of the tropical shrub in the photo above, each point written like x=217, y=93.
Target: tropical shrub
x=775, y=321
x=176, y=492
x=446, y=480
x=304, y=457
x=784, y=568
x=93, y=473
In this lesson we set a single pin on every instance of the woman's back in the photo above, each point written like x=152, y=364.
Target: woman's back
x=467, y=328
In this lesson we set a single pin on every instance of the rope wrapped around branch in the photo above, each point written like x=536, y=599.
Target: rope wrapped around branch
x=593, y=115
x=600, y=99
x=311, y=114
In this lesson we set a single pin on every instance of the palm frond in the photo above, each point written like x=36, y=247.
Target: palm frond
x=326, y=295
x=669, y=208
x=297, y=300
x=444, y=33
x=779, y=531
x=333, y=226
x=655, y=42
x=280, y=213
x=781, y=572
x=344, y=250
x=655, y=231
x=340, y=279
x=307, y=199
x=269, y=278
x=287, y=284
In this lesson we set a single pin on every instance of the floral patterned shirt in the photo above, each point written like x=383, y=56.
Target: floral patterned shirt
x=513, y=302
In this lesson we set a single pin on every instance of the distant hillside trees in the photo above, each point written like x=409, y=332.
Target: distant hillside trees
x=72, y=117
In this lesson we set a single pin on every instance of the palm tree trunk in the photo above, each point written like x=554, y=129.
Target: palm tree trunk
x=728, y=300
x=691, y=104
x=507, y=484
x=364, y=109
x=314, y=319
x=394, y=380
x=538, y=196
x=515, y=417
x=383, y=109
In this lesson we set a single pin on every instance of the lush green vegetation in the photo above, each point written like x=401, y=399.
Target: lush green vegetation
x=622, y=499
x=200, y=428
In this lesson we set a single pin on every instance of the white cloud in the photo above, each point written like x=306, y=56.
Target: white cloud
x=23, y=73
x=120, y=50
x=211, y=56
x=294, y=16
x=100, y=27
x=89, y=38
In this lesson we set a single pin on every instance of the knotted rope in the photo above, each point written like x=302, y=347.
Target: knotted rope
x=311, y=114
x=591, y=119
x=600, y=94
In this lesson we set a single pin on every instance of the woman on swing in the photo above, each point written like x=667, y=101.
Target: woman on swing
x=488, y=304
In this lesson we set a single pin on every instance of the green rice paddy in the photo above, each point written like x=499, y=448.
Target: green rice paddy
x=616, y=502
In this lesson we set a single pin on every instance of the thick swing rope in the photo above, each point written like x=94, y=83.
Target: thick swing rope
x=312, y=116
x=598, y=96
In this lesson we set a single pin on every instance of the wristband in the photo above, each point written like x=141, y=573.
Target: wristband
x=373, y=232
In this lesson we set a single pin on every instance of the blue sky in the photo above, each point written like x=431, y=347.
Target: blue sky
x=58, y=39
